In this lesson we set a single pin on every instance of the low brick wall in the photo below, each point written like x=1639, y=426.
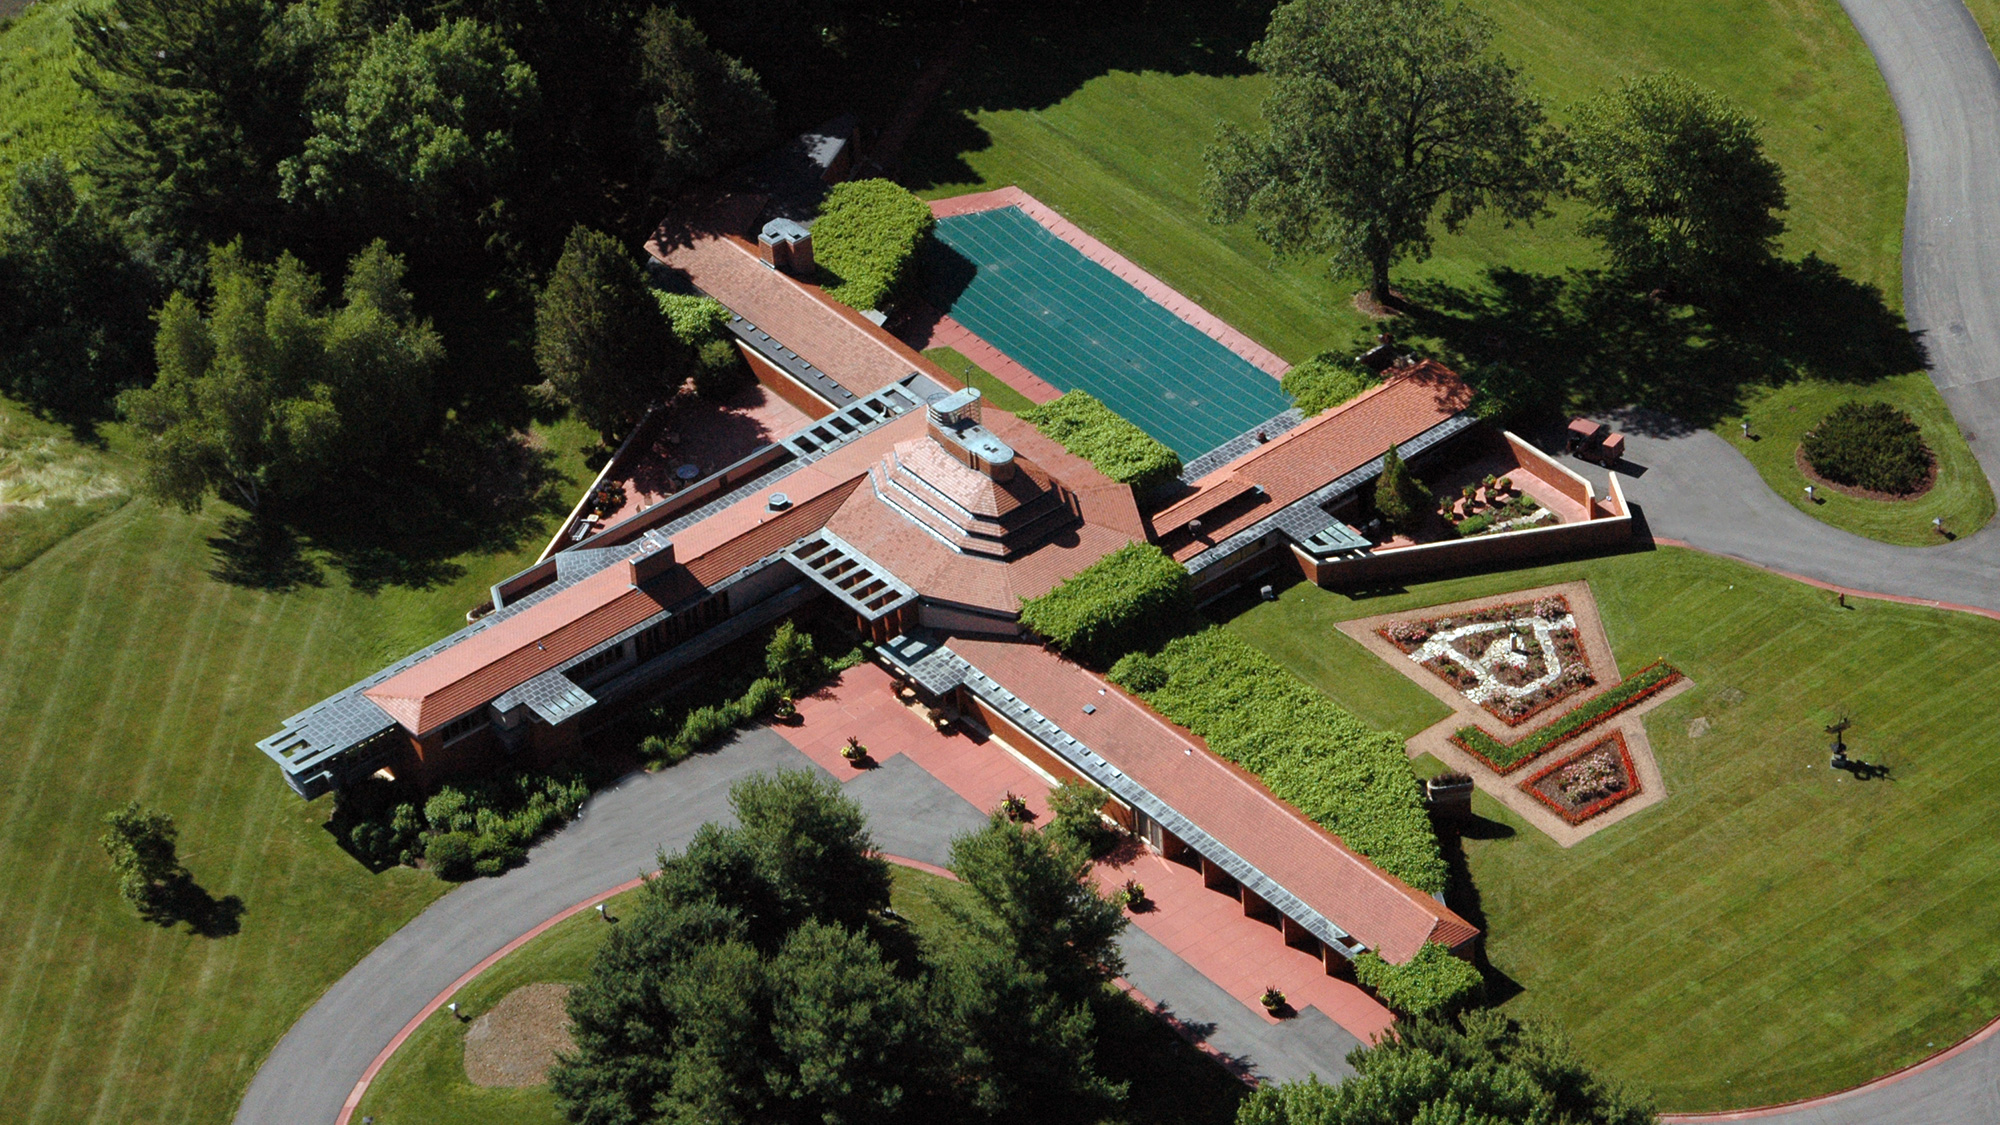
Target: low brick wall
x=1609, y=531
x=784, y=386
x=1546, y=468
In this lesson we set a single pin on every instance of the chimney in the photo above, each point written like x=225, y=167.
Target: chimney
x=656, y=557
x=785, y=245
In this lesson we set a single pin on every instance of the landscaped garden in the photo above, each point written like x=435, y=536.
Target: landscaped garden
x=1516, y=660
x=1781, y=418
x=1800, y=929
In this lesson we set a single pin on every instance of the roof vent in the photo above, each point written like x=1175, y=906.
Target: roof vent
x=1195, y=526
x=778, y=502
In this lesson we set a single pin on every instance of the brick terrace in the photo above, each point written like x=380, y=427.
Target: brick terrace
x=1205, y=928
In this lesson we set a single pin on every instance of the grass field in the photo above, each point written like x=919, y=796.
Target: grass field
x=1107, y=125
x=41, y=109
x=973, y=375
x=51, y=485
x=1780, y=416
x=1774, y=929
x=425, y=1080
x=129, y=671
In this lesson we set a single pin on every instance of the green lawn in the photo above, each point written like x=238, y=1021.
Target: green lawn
x=1987, y=12
x=41, y=109
x=51, y=485
x=1774, y=930
x=973, y=375
x=1780, y=416
x=425, y=1080
x=1107, y=125
x=129, y=671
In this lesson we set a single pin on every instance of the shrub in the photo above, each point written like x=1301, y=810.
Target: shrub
x=792, y=659
x=702, y=323
x=1094, y=432
x=1505, y=757
x=1432, y=983
x=866, y=235
x=1075, y=820
x=1352, y=780
x=1140, y=671
x=1325, y=381
x=1869, y=445
x=449, y=855
x=703, y=726
x=1400, y=497
x=761, y=697
x=1133, y=598
x=1473, y=525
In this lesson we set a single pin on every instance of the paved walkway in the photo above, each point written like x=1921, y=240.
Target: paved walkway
x=924, y=790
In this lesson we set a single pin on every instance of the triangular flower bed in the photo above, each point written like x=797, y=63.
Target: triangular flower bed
x=1586, y=783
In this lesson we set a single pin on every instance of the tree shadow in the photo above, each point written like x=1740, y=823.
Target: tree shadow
x=1462, y=894
x=260, y=553
x=1544, y=345
x=1027, y=60
x=182, y=900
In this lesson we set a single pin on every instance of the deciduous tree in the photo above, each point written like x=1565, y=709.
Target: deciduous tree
x=1682, y=187
x=1383, y=116
x=141, y=844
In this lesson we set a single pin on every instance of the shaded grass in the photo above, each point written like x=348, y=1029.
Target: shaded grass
x=1799, y=930
x=128, y=671
x=425, y=1080
x=972, y=375
x=1117, y=147
x=1780, y=416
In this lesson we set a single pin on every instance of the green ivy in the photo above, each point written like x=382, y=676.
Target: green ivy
x=1096, y=433
x=1133, y=598
x=1503, y=756
x=1431, y=983
x=865, y=237
x=1325, y=381
x=1351, y=779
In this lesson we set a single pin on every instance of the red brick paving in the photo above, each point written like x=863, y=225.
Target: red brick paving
x=1205, y=928
x=712, y=435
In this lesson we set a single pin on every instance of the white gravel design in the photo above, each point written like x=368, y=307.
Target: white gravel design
x=1499, y=653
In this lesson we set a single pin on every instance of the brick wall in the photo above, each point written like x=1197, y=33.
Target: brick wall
x=784, y=386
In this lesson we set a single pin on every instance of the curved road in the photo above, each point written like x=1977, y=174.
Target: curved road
x=1689, y=485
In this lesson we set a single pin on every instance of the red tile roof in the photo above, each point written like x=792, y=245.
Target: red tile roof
x=1379, y=909
x=855, y=351
x=509, y=653
x=1311, y=456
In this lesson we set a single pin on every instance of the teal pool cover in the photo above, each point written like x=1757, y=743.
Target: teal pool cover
x=1076, y=324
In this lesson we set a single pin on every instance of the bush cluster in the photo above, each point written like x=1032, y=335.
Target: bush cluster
x=1432, y=983
x=1504, y=756
x=702, y=323
x=865, y=237
x=1869, y=445
x=1352, y=780
x=1325, y=381
x=1133, y=598
x=1096, y=433
x=464, y=832
x=792, y=664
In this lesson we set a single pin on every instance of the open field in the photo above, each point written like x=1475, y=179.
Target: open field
x=129, y=671
x=1799, y=930
x=1107, y=125
x=425, y=1081
x=1780, y=416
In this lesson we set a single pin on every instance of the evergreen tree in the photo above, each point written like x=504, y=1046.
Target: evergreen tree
x=706, y=110
x=1682, y=188
x=854, y=1038
x=1029, y=897
x=812, y=847
x=601, y=343
x=141, y=845
x=1382, y=114
x=1400, y=498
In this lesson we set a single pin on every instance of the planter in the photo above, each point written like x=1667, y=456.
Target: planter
x=1450, y=795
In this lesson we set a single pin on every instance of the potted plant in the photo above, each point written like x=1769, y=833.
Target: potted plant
x=1273, y=999
x=854, y=752
x=1131, y=896
x=786, y=710
x=1014, y=808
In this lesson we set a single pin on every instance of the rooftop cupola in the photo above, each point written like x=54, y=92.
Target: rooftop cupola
x=955, y=425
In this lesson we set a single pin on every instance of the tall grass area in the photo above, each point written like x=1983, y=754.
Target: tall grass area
x=1774, y=929
x=128, y=671
x=51, y=485
x=1108, y=125
x=41, y=108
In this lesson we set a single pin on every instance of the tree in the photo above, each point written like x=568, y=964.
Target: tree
x=855, y=1038
x=264, y=392
x=599, y=338
x=140, y=842
x=1677, y=174
x=422, y=135
x=705, y=110
x=1030, y=899
x=1076, y=821
x=812, y=846
x=1400, y=497
x=1484, y=1067
x=791, y=659
x=202, y=99
x=1382, y=114
x=75, y=302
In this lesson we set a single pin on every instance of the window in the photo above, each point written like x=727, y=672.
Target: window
x=595, y=663
x=683, y=626
x=463, y=725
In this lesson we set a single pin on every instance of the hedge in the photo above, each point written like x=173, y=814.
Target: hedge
x=1505, y=757
x=1869, y=445
x=1096, y=433
x=1351, y=779
x=1431, y=983
x=1325, y=381
x=866, y=234
x=1133, y=598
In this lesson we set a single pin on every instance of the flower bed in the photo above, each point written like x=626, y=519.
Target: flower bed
x=1507, y=757
x=1587, y=782
x=1516, y=660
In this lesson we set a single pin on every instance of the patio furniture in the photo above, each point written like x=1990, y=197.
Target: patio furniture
x=1594, y=441
x=687, y=473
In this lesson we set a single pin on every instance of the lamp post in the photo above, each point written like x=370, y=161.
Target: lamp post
x=1839, y=748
